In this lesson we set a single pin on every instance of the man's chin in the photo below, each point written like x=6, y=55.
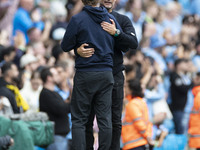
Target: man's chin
x=107, y=7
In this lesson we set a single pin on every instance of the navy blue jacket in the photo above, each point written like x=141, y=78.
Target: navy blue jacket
x=85, y=28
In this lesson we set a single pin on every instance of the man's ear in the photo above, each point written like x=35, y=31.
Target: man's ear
x=49, y=77
x=5, y=57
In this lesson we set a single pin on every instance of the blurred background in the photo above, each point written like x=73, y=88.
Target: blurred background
x=166, y=62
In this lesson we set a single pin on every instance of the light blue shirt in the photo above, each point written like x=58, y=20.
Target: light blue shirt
x=137, y=25
x=170, y=58
x=195, y=7
x=190, y=102
x=196, y=61
x=185, y=4
x=65, y=95
x=167, y=85
x=62, y=93
x=156, y=56
x=163, y=2
x=152, y=96
x=22, y=22
x=175, y=25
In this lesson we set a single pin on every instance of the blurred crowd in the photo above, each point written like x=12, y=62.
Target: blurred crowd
x=166, y=61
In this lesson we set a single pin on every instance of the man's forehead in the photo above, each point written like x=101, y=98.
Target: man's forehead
x=53, y=70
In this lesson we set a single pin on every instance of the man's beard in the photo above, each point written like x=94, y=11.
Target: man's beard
x=105, y=7
x=17, y=81
x=57, y=84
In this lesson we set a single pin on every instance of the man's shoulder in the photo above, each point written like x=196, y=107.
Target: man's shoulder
x=4, y=91
x=3, y=83
x=48, y=93
x=80, y=15
x=45, y=90
x=21, y=13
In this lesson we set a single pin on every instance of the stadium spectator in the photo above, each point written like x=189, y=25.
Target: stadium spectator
x=7, y=55
x=52, y=103
x=180, y=85
x=168, y=30
x=7, y=11
x=8, y=88
x=136, y=128
x=32, y=90
x=23, y=21
x=194, y=116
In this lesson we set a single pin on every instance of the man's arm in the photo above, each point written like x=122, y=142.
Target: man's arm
x=88, y=52
x=69, y=40
x=85, y=52
x=127, y=38
x=109, y=27
x=55, y=105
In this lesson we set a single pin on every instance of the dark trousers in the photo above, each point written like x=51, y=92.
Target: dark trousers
x=117, y=103
x=139, y=148
x=178, y=121
x=69, y=145
x=91, y=88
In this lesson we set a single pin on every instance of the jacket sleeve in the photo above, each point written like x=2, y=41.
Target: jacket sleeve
x=137, y=119
x=69, y=40
x=57, y=107
x=127, y=38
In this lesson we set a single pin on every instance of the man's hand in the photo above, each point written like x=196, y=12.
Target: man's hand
x=158, y=118
x=19, y=40
x=11, y=142
x=109, y=27
x=85, y=52
x=150, y=141
x=1, y=106
x=1, y=102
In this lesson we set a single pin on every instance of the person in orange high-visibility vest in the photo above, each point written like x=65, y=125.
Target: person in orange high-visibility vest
x=194, y=122
x=136, y=128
